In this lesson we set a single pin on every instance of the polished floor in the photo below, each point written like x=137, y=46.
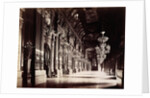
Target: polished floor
x=87, y=79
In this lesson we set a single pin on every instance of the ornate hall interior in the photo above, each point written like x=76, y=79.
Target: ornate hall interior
x=71, y=48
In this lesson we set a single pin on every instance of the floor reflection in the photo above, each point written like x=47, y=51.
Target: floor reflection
x=88, y=79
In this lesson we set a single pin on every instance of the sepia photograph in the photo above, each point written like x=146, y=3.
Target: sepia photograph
x=80, y=47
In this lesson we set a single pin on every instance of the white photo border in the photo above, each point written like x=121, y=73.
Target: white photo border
x=133, y=47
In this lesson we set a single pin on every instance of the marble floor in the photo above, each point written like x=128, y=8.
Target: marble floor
x=87, y=79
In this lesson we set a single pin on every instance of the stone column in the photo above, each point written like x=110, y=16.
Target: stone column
x=69, y=63
x=56, y=57
x=28, y=48
x=75, y=66
x=82, y=66
x=42, y=52
x=65, y=60
x=20, y=50
x=52, y=54
x=48, y=41
x=60, y=61
x=72, y=63
x=85, y=68
x=72, y=66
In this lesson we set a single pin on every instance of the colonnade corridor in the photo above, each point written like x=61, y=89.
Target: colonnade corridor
x=71, y=47
x=84, y=79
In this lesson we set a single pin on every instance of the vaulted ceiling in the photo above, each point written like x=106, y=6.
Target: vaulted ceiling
x=90, y=22
x=95, y=20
